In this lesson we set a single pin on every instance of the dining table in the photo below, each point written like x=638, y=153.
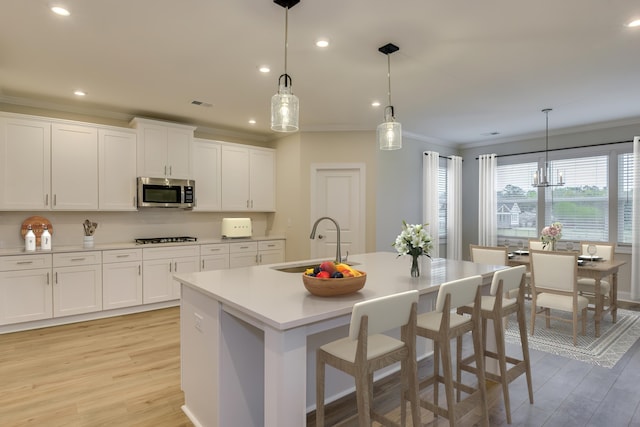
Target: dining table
x=590, y=267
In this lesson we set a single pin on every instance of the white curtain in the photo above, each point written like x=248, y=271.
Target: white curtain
x=454, y=207
x=487, y=202
x=635, y=227
x=430, y=202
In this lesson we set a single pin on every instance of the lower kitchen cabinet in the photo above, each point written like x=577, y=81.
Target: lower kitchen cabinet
x=214, y=257
x=77, y=283
x=158, y=267
x=121, y=278
x=270, y=251
x=25, y=288
x=243, y=254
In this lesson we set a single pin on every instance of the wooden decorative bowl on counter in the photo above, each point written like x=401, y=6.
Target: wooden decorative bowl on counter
x=324, y=287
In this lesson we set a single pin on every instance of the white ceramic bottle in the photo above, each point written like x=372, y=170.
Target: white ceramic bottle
x=45, y=239
x=30, y=240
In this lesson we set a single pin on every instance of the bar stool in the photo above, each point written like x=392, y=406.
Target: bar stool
x=367, y=350
x=495, y=308
x=441, y=326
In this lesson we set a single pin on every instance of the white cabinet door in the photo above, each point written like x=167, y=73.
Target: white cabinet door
x=235, y=178
x=179, y=152
x=25, y=164
x=156, y=281
x=248, y=179
x=270, y=251
x=207, y=174
x=242, y=260
x=262, y=180
x=77, y=290
x=121, y=284
x=214, y=262
x=180, y=266
x=74, y=167
x=164, y=149
x=117, y=170
x=25, y=295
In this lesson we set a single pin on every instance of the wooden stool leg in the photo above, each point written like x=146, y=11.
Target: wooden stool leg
x=447, y=373
x=363, y=398
x=502, y=363
x=319, y=390
x=522, y=324
x=436, y=373
x=479, y=352
x=458, y=366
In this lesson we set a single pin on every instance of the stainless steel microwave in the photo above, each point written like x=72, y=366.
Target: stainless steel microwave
x=166, y=193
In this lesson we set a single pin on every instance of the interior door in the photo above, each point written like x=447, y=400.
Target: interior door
x=338, y=191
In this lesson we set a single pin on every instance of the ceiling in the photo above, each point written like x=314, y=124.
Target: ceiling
x=465, y=69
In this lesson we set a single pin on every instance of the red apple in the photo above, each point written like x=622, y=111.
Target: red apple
x=328, y=266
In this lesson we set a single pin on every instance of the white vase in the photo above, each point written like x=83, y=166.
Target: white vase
x=88, y=242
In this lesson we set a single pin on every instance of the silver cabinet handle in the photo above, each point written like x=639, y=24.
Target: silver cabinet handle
x=56, y=277
x=139, y=270
x=55, y=199
x=170, y=266
x=165, y=169
x=24, y=262
x=46, y=200
x=170, y=170
x=122, y=256
x=77, y=259
x=175, y=266
x=47, y=277
x=134, y=201
x=202, y=265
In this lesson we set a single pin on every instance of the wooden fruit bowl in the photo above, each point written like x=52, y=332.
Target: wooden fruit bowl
x=323, y=287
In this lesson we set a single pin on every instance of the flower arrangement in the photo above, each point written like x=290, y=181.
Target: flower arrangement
x=550, y=235
x=414, y=240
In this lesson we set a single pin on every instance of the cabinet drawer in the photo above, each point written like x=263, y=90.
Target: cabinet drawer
x=171, y=252
x=214, y=249
x=244, y=247
x=121, y=255
x=24, y=262
x=267, y=245
x=77, y=258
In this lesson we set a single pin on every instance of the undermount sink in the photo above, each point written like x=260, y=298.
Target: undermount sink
x=301, y=268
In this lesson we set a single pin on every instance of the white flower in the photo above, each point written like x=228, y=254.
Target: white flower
x=413, y=240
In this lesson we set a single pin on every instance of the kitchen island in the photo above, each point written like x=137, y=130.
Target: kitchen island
x=248, y=335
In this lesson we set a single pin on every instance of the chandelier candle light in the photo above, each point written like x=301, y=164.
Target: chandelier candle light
x=543, y=177
x=414, y=240
x=389, y=133
x=284, y=104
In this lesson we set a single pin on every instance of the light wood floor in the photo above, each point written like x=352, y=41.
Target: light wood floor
x=125, y=371
x=122, y=371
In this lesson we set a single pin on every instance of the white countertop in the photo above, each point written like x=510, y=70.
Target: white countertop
x=130, y=245
x=281, y=301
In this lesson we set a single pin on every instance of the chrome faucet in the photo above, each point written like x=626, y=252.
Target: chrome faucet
x=313, y=235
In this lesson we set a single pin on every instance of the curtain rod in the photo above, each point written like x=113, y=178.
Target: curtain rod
x=439, y=155
x=561, y=149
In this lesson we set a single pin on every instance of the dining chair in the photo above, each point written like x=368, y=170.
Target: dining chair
x=554, y=285
x=537, y=245
x=367, y=349
x=493, y=255
x=495, y=307
x=441, y=326
x=587, y=285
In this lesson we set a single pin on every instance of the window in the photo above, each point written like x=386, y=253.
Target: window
x=442, y=199
x=517, y=201
x=582, y=204
x=625, y=197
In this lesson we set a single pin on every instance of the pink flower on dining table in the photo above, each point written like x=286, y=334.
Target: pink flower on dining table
x=551, y=234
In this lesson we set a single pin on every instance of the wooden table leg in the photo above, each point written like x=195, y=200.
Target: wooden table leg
x=599, y=303
x=614, y=297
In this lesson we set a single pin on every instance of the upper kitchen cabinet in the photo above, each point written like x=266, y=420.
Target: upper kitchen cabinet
x=117, y=170
x=25, y=164
x=207, y=174
x=248, y=178
x=164, y=149
x=74, y=167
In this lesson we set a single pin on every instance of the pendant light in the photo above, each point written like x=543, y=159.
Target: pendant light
x=389, y=133
x=544, y=176
x=284, y=104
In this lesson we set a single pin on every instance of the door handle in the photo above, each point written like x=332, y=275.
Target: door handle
x=321, y=236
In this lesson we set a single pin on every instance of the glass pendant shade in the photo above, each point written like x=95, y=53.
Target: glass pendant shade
x=284, y=108
x=389, y=133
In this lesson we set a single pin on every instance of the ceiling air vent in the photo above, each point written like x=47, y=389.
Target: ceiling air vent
x=201, y=103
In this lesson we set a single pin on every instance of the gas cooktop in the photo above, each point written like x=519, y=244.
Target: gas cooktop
x=166, y=240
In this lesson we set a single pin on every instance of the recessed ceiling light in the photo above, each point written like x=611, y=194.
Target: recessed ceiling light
x=252, y=122
x=79, y=92
x=635, y=23
x=322, y=42
x=375, y=104
x=264, y=69
x=58, y=10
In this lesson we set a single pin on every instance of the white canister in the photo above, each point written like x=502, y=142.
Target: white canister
x=30, y=240
x=45, y=239
x=88, y=242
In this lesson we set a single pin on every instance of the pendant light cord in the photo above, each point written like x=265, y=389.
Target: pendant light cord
x=389, y=76
x=286, y=41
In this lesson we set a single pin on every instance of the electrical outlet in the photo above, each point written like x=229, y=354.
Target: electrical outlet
x=198, y=321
